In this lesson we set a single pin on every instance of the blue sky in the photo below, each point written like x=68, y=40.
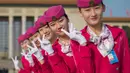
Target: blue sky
x=118, y=8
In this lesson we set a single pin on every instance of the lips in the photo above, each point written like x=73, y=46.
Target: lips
x=94, y=18
x=37, y=42
x=59, y=30
x=47, y=35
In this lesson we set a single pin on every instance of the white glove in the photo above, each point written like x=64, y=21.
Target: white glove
x=46, y=45
x=34, y=50
x=28, y=57
x=16, y=62
x=75, y=35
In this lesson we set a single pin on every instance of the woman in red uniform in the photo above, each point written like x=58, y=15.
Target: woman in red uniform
x=57, y=63
x=108, y=45
x=38, y=52
x=59, y=23
x=27, y=60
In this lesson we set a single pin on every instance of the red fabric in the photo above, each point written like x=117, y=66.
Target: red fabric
x=57, y=63
x=54, y=11
x=22, y=71
x=40, y=22
x=46, y=67
x=37, y=68
x=69, y=61
x=31, y=31
x=87, y=3
x=82, y=57
x=102, y=65
x=26, y=67
x=21, y=38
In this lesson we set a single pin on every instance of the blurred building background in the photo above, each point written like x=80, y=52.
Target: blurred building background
x=17, y=15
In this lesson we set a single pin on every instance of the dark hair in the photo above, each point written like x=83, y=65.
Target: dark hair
x=66, y=17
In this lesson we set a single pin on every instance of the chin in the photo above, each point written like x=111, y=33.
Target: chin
x=93, y=23
x=38, y=45
x=48, y=38
x=25, y=48
x=61, y=34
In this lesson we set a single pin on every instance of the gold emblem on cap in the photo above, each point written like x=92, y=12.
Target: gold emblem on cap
x=41, y=24
x=54, y=18
x=31, y=34
x=91, y=3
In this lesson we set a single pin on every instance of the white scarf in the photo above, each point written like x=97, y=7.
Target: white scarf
x=104, y=41
x=65, y=48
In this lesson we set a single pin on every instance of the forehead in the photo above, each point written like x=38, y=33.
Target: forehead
x=62, y=17
x=34, y=35
x=25, y=41
x=43, y=27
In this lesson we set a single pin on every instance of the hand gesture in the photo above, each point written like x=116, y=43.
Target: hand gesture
x=75, y=35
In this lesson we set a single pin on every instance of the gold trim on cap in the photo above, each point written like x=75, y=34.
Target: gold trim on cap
x=41, y=24
x=54, y=18
x=91, y=3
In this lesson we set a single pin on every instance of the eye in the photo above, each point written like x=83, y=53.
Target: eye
x=31, y=39
x=60, y=20
x=46, y=26
x=97, y=7
x=88, y=9
x=52, y=24
x=36, y=35
x=21, y=43
x=25, y=41
x=40, y=29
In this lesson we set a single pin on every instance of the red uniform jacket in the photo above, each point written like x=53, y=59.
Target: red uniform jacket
x=69, y=61
x=82, y=57
x=27, y=68
x=57, y=62
x=101, y=64
x=43, y=68
x=46, y=67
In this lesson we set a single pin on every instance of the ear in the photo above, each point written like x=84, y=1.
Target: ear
x=80, y=12
x=104, y=8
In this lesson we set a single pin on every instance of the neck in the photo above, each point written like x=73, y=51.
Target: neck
x=96, y=29
x=53, y=40
x=65, y=38
x=38, y=47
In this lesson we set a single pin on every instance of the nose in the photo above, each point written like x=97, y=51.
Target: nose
x=45, y=31
x=93, y=13
x=58, y=25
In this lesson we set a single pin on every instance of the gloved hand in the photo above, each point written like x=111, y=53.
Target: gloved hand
x=75, y=35
x=28, y=57
x=46, y=45
x=15, y=61
x=34, y=50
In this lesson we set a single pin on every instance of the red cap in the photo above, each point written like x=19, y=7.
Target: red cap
x=87, y=3
x=21, y=38
x=54, y=12
x=40, y=22
x=30, y=32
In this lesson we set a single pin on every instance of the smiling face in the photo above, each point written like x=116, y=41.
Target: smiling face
x=93, y=15
x=47, y=32
x=24, y=44
x=61, y=23
x=34, y=38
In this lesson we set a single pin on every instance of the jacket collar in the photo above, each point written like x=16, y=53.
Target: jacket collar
x=114, y=30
